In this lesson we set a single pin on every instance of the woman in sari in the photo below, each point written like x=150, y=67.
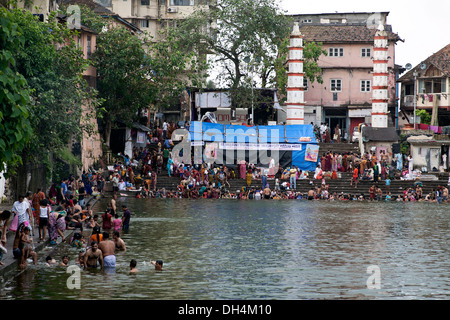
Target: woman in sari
x=56, y=226
x=328, y=158
x=242, y=167
x=333, y=162
x=249, y=177
x=344, y=163
x=169, y=166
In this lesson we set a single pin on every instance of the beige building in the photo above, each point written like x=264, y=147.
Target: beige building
x=151, y=16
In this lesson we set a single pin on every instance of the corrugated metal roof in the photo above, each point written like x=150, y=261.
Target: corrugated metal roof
x=379, y=134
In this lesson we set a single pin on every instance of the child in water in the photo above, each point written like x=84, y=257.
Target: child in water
x=133, y=268
x=78, y=240
x=158, y=264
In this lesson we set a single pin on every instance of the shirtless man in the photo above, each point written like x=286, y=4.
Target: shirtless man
x=113, y=204
x=108, y=249
x=266, y=192
x=77, y=209
x=92, y=256
x=120, y=244
x=311, y=194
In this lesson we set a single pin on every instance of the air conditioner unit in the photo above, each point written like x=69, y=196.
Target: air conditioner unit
x=171, y=10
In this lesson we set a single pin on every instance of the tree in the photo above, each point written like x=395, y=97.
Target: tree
x=122, y=77
x=136, y=72
x=52, y=64
x=248, y=38
x=237, y=29
x=15, y=102
x=425, y=117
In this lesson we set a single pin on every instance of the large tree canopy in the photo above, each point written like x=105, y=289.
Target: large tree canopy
x=15, y=102
x=48, y=58
x=248, y=40
x=235, y=31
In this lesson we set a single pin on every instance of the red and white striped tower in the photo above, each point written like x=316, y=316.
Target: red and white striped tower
x=380, y=95
x=295, y=91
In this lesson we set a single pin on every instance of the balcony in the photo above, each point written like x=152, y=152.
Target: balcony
x=427, y=100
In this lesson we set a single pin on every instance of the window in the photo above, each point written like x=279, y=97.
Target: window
x=144, y=23
x=365, y=52
x=181, y=2
x=145, y=2
x=88, y=47
x=307, y=21
x=305, y=83
x=336, y=52
x=432, y=85
x=336, y=85
x=365, y=85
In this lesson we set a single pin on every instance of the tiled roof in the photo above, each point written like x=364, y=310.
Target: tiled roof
x=440, y=59
x=343, y=33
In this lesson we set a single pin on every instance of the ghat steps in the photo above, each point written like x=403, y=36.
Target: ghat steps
x=303, y=185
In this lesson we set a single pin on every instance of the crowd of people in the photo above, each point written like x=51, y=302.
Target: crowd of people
x=140, y=172
x=325, y=134
x=64, y=208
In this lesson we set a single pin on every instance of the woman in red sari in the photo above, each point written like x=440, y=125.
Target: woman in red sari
x=243, y=169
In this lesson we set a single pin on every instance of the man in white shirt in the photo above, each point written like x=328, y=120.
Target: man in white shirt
x=115, y=181
x=23, y=209
x=165, y=126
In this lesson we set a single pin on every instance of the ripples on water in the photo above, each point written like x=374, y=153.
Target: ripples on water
x=229, y=249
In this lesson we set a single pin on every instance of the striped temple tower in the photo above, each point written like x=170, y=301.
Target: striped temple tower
x=380, y=95
x=295, y=91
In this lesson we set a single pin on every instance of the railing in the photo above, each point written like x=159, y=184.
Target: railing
x=427, y=100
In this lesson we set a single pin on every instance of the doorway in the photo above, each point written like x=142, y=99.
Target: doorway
x=333, y=121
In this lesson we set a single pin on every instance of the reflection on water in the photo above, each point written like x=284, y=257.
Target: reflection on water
x=229, y=249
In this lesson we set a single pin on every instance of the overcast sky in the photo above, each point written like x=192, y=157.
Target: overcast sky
x=423, y=25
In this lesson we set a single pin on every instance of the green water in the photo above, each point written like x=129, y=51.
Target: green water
x=231, y=249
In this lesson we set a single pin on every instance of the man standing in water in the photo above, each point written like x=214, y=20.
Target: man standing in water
x=126, y=218
x=93, y=256
x=108, y=249
x=120, y=244
x=266, y=192
x=113, y=204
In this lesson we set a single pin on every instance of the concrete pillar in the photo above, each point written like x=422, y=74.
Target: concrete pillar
x=295, y=105
x=380, y=95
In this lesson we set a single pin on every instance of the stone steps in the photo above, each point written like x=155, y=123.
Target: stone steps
x=338, y=148
x=335, y=185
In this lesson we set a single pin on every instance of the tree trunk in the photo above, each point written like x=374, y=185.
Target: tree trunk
x=107, y=132
x=434, y=113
